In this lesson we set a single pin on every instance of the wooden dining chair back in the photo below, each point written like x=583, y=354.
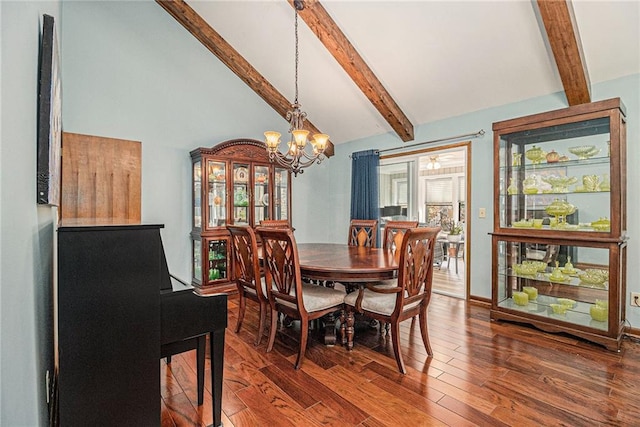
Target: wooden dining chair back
x=286, y=292
x=409, y=298
x=363, y=232
x=394, y=232
x=249, y=282
x=277, y=223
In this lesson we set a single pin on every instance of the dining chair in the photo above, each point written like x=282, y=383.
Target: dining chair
x=287, y=293
x=394, y=232
x=250, y=283
x=409, y=298
x=363, y=232
x=278, y=223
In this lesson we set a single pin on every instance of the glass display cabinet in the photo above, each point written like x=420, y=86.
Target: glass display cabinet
x=233, y=183
x=559, y=239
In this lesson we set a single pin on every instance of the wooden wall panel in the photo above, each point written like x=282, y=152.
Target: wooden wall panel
x=101, y=178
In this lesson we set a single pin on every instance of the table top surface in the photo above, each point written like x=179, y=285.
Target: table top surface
x=341, y=262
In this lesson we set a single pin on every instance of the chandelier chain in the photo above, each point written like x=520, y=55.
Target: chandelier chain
x=297, y=156
x=296, y=67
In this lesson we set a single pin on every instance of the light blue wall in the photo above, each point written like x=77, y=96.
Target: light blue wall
x=627, y=88
x=130, y=71
x=26, y=230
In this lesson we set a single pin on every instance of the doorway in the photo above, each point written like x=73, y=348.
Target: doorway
x=432, y=186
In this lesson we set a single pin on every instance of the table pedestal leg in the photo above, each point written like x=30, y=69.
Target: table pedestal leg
x=350, y=329
x=330, y=329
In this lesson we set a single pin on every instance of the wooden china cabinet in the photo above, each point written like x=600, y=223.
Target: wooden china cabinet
x=559, y=238
x=233, y=183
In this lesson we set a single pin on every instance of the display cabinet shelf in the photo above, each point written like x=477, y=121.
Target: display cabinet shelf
x=560, y=183
x=233, y=183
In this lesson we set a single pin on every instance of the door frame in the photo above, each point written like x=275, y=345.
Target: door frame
x=465, y=146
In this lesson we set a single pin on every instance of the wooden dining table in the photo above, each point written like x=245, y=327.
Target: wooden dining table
x=333, y=262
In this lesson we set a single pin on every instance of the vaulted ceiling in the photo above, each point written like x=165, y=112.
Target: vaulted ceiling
x=373, y=67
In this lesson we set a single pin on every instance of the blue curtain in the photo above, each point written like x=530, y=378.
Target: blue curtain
x=364, y=184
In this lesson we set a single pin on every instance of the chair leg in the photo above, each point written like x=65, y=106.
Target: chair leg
x=343, y=327
x=424, y=330
x=241, y=309
x=261, y=323
x=304, y=334
x=272, y=331
x=395, y=339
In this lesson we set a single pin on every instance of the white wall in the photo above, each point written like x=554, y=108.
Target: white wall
x=26, y=230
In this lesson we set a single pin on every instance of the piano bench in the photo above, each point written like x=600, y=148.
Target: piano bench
x=198, y=343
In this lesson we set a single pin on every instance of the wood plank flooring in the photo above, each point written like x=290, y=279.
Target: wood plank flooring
x=446, y=281
x=483, y=373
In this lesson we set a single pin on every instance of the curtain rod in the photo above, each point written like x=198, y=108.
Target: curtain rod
x=478, y=134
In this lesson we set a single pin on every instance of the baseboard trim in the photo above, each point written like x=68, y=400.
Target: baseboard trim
x=632, y=331
x=481, y=301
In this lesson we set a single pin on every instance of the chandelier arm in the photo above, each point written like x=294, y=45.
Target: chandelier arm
x=296, y=163
x=314, y=156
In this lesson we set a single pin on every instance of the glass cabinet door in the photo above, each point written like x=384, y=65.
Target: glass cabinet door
x=218, y=259
x=217, y=194
x=197, y=261
x=197, y=188
x=557, y=177
x=241, y=194
x=261, y=196
x=564, y=283
x=281, y=194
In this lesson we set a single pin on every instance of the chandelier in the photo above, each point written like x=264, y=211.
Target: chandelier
x=433, y=163
x=297, y=156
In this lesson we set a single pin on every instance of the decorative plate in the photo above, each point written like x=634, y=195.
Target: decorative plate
x=265, y=199
x=241, y=174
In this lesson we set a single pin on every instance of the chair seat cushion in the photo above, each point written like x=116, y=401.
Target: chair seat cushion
x=389, y=283
x=253, y=291
x=316, y=297
x=375, y=302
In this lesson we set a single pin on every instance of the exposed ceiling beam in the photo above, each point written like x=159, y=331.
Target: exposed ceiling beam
x=213, y=41
x=564, y=39
x=325, y=28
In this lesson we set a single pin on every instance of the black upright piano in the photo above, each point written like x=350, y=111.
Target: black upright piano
x=118, y=312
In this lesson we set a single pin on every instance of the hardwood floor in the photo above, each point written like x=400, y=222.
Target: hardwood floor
x=446, y=281
x=482, y=373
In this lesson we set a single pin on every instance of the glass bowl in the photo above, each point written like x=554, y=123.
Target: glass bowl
x=538, y=265
x=584, y=151
x=599, y=313
x=523, y=223
x=559, y=184
x=560, y=208
x=592, y=278
x=602, y=224
x=525, y=269
x=566, y=301
x=558, y=308
x=535, y=154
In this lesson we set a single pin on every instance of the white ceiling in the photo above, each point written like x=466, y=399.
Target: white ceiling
x=437, y=59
